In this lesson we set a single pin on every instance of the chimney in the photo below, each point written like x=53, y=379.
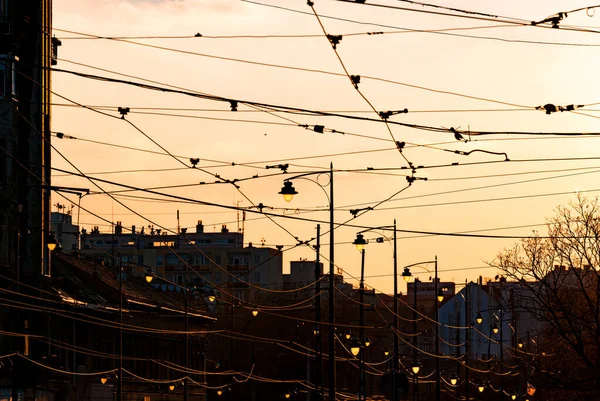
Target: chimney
x=132, y=230
x=118, y=228
x=224, y=228
x=199, y=227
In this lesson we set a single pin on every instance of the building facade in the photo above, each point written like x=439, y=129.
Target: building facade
x=217, y=259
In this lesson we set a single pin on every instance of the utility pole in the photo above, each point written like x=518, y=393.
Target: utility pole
x=396, y=328
x=467, y=339
x=361, y=329
x=120, y=379
x=437, y=335
x=332, y=374
x=318, y=350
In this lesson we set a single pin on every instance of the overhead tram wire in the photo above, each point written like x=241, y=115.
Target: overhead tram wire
x=518, y=22
x=436, y=31
x=366, y=227
x=288, y=109
x=118, y=201
x=355, y=82
x=311, y=71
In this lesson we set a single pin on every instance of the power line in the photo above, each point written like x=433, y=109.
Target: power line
x=288, y=109
x=287, y=67
x=436, y=31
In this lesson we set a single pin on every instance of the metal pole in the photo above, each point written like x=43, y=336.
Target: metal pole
x=396, y=328
x=501, y=352
x=437, y=341
x=415, y=283
x=332, y=377
x=361, y=329
x=467, y=339
x=187, y=329
x=120, y=379
x=318, y=350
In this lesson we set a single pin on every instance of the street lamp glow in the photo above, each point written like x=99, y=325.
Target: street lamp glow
x=288, y=191
x=355, y=348
x=367, y=342
x=520, y=344
x=481, y=387
x=495, y=329
x=386, y=352
x=514, y=397
x=479, y=318
x=453, y=379
x=359, y=242
x=254, y=312
x=219, y=392
x=211, y=298
x=440, y=295
x=149, y=276
x=103, y=379
x=171, y=387
x=287, y=395
x=416, y=367
x=406, y=274
x=51, y=242
x=348, y=335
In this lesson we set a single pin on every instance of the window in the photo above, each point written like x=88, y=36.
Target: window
x=218, y=259
x=171, y=259
x=199, y=260
x=256, y=259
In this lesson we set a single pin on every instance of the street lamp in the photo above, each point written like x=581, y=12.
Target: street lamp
x=149, y=276
x=406, y=274
x=171, y=387
x=440, y=295
x=287, y=395
x=219, y=392
x=254, y=312
x=495, y=328
x=288, y=191
x=481, y=387
x=367, y=342
x=51, y=243
x=453, y=379
x=386, y=352
x=513, y=397
x=355, y=347
x=520, y=344
x=103, y=379
x=479, y=318
x=348, y=335
x=415, y=367
x=359, y=242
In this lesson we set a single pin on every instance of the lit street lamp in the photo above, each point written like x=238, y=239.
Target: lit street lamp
x=288, y=191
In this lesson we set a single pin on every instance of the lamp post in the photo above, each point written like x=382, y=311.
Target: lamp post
x=318, y=350
x=288, y=191
x=406, y=275
x=437, y=340
x=360, y=243
x=120, y=378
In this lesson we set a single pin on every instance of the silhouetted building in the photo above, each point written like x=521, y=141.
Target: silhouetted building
x=217, y=259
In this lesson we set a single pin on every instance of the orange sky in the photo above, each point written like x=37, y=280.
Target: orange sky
x=454, y=199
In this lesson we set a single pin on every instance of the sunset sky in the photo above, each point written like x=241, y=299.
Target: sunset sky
x=492, y=74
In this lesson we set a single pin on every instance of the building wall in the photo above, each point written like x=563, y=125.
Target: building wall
x=25, y=43
x=216, y=260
